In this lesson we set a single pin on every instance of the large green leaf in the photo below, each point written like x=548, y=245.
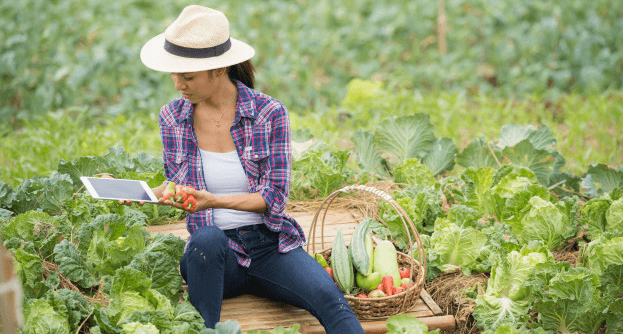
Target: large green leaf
x=478, y=154
x=23, y=226
x=458, y=247
x=511, y=134
x=541, y=162
x=83, y=166
x=162, y=270
x=73, y=266
x=477, y=190
x=614, y=320
x=45, y=193
x=72, y=304
x=603, y=178
x=542, y=138
x=441, y=156
x=58, y=188
x=406, y=137
x=572, y=302
x=370, y=159
x=42, y=318
x=6, y=195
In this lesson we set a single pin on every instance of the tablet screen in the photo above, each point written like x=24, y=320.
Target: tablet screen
x=119, y=189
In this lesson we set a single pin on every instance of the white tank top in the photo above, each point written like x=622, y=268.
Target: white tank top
x=224, y=175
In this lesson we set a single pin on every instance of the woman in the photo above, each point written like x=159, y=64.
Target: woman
x=232, y=144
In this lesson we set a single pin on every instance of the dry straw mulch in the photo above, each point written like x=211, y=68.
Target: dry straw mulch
x=65, y=283
x=363, y=202
x=447, y=290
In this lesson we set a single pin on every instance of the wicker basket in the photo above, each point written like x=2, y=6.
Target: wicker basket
x=384, y=307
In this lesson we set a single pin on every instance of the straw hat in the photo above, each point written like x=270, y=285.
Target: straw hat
x=197, y=40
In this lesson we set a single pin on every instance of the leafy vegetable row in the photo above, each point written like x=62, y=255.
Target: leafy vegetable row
x=507, y=224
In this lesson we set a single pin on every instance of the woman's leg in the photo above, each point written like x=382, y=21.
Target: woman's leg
x=211, y=271
x=298, y=279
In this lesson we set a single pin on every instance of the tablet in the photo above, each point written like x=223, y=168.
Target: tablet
x=135, y=190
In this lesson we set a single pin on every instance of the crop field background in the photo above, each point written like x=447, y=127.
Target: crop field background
x=73, y=85
x=500, y=123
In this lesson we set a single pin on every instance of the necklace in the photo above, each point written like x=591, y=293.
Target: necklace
x=218, y=121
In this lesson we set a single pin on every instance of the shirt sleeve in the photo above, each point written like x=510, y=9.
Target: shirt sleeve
x=274, y=183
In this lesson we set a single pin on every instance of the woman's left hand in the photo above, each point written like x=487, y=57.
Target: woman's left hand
x=204, y=200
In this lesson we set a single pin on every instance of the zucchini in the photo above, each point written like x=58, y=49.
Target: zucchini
x=361, y=248
x=342, y=265
x=386, y=261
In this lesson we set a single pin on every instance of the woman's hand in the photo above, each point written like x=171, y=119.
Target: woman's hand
x=129, y=202
x=204, y=200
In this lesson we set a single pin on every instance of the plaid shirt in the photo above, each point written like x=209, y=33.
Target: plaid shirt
x=261, y=133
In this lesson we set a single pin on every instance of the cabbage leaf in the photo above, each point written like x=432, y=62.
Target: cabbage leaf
x=543, y=222
x=572, y=302
x=456, y=247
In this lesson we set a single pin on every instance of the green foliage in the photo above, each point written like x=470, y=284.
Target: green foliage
x=408, y=324
x=572, y=302
x=412, y=172
x=543, y=222
x=398, y=139
x=318, y=172
x=70, y=53
x=508, y=298
x=603, y=251
x=41, y=317
x=72, y=142
x=455, y=247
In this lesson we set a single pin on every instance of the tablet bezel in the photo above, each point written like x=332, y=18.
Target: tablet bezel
x=86, y=180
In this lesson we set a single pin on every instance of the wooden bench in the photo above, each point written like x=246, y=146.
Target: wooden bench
x=256, y=313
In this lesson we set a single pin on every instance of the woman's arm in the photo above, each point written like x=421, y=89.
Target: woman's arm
x=253, y=202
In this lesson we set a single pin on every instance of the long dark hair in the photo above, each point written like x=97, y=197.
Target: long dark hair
x=244, y=72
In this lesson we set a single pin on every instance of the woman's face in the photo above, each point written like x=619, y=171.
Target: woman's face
x=195, y=86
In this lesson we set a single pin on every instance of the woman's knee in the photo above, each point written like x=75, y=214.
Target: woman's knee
x=208, y=241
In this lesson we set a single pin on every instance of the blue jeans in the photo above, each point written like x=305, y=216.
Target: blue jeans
x=212, y=273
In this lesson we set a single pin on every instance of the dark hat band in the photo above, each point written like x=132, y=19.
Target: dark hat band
x=182, y=51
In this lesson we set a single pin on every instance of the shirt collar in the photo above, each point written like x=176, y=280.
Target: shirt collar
x=187, y=110
x=245, y=106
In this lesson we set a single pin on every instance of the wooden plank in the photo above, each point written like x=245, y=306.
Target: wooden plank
x=445, y=322
x=269, y=314
x=430, y=302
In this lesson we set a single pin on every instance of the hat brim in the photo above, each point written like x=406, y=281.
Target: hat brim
x=154, y=56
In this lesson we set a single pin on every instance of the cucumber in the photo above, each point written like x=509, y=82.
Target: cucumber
x=342, y=265
x=386, y=261
x=361, y=248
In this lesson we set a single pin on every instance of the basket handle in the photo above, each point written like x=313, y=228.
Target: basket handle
x=407, y=222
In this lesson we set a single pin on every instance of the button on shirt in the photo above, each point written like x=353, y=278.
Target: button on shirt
x=261, y=133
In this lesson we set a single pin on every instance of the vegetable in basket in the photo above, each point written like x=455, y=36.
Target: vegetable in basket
x=342, y=265
x=386, y=261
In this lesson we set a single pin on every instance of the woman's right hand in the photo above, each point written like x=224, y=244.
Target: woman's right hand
x=128, y=202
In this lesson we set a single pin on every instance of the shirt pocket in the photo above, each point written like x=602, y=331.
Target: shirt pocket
x=177, y=166
x=258, y=151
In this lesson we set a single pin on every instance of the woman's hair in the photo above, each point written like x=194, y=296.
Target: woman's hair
x=244, y=72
